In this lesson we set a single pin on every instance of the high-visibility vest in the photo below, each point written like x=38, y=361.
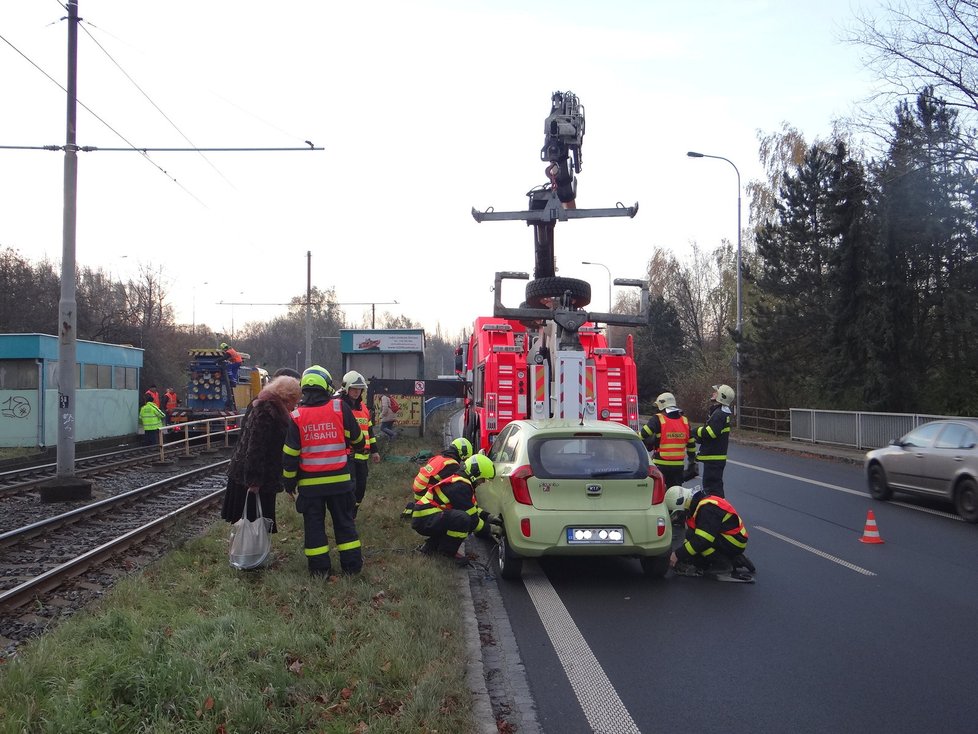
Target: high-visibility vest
x=433, y=470
x=322, y=457
x=673, y=441
x=362, y=414
x=171, y=400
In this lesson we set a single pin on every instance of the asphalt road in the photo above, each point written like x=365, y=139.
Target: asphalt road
x=835, y=636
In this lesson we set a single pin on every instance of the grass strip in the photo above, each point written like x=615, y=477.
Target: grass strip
x=191, y=645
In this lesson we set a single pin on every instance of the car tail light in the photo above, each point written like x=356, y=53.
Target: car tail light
x=660, y=526
x=658, y=485
x=525, y=527
x=521, y=492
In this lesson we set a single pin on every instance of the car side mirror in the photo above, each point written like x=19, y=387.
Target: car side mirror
x=896, y=442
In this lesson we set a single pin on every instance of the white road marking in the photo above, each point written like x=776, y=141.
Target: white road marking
x=837, y=488
x=602, y=707
x=816, y=551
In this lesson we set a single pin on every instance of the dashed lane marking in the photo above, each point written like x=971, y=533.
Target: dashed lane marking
x=602, y=707
x=816, y=551
x=837, y=488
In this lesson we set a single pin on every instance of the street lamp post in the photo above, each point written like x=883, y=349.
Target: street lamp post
x=740, y=305
x=585, y=262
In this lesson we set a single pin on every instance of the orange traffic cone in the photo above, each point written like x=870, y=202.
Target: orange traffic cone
x=871, y=533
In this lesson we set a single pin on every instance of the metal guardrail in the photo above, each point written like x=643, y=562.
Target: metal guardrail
x=854, y=428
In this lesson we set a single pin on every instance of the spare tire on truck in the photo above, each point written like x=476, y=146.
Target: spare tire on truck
x=542, y=292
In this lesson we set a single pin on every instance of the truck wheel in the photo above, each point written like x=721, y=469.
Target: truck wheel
x=541, y=292
x=655, y=566
x=510, y=564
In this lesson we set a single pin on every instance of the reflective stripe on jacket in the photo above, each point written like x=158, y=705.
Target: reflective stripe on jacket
x=454, y=492
x=151, y=417
x=439, y=468
x=714, y=436
x=362, y=414
x=320, y=456
x=725, y=521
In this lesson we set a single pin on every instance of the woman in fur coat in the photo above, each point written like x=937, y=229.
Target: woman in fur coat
x=256, y=463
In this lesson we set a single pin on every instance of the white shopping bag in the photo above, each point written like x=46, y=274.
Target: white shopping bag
x=250, y=539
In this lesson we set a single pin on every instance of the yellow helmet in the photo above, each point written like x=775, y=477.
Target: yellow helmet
x=479, y=467
x=464, y=448
x=317, y=376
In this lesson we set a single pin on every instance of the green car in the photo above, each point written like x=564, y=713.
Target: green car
x=572, y=489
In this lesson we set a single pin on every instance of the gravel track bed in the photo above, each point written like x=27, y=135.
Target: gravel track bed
x=20, y=562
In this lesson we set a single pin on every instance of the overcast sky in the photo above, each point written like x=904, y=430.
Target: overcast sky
x=425, y=110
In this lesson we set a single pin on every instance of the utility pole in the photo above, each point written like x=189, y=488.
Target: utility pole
x=66, y=486
x=308, y=308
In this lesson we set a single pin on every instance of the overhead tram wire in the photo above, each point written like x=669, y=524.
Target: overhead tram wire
x=155, y=106
x=93, y=114
x=132, y=148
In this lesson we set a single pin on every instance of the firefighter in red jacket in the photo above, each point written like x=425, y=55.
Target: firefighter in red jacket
x=438, y=467
x=354, y=392
x=449, y=511
x=669, y=439
x=315, y=462
x=715, y=539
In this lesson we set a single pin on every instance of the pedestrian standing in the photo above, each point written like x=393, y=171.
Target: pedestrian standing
x=388, y=415
x=256, y=463
x=315, y=464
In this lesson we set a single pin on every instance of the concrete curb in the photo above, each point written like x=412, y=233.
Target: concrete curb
x=482, y=717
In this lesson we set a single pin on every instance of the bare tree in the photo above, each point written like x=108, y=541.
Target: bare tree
x=927, y=45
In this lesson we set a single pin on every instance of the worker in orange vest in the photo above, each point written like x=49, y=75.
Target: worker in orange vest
x=234, y=360
x=170, y=401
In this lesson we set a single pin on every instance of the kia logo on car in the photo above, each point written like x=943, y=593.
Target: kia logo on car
x=593, y=489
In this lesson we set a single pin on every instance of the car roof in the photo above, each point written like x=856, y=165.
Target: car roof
x=970, y=422
x=565, y=425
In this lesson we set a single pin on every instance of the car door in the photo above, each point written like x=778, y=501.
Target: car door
x=948, y=454
x=905, y=465
x=503, y=453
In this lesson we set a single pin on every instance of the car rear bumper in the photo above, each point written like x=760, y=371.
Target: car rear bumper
x=548, y=533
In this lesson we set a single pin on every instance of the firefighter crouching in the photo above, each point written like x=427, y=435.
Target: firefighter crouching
x=315, y=462
x=715, y=538
x=439, y=467
x=449, y=511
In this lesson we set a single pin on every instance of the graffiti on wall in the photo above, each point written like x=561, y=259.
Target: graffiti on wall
x=16, y=406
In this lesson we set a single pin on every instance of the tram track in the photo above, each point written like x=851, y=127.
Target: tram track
x=55, y=565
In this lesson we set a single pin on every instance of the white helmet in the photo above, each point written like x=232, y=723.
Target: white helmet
x=723, y=394
x=666, y=400
x=354, y=379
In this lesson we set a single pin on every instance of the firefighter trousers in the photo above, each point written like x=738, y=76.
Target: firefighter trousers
x=341, y=509
x=673, y=475
x=713, y=477
x=445, y=530
x=359, y=468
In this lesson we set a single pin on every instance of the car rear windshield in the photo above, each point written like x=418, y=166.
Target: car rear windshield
x=588, y=457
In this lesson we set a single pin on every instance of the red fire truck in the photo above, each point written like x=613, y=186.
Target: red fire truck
x=554, y=364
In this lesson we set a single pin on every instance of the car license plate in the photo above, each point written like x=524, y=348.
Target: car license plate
x=595, y=536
